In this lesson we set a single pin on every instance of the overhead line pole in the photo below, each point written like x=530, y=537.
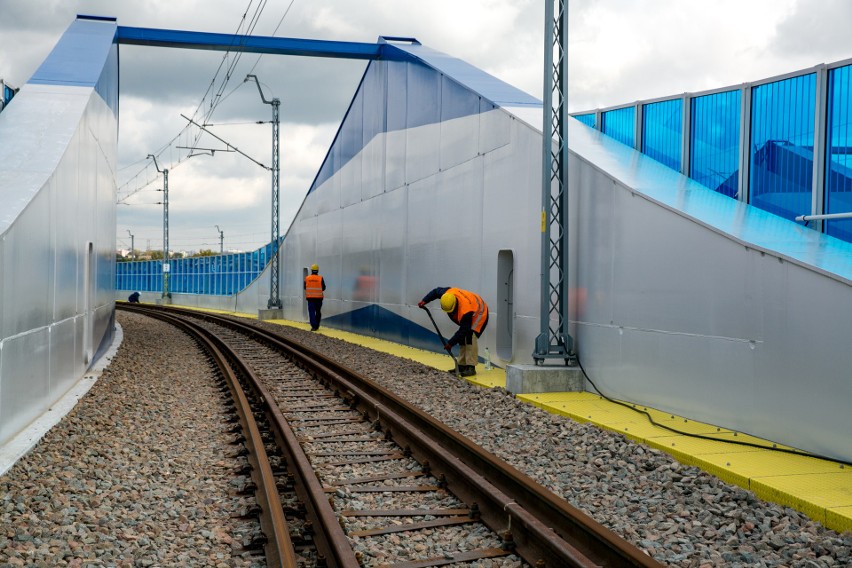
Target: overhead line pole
x=221, y=240
x=554, y=341
x=274, y=299
x=166, y=265
x=132, y=247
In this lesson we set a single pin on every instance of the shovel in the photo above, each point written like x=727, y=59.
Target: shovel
x=443, y=341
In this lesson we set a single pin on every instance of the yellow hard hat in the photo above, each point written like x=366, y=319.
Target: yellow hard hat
x=314, y=267
x=448, y=302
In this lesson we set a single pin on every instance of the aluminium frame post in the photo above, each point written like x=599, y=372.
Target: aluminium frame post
x=639, y=126
x=744, y=177
x=686, y=135
x=554, y=341
x=820, y=143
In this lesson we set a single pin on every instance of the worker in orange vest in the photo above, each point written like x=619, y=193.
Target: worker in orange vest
x=470, y=312
x=314, y=287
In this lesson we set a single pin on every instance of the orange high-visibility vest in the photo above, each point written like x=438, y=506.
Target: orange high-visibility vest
x=469, y=302
x=313, y=286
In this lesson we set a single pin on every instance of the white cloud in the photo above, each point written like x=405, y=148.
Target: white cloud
x=620, y=51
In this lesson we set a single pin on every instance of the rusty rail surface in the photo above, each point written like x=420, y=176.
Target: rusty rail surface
x=543, y=528
x=278, y=547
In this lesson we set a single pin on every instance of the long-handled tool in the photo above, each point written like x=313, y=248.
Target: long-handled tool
x=443, y=341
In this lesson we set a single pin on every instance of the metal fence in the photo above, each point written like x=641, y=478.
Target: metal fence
x=218, y=275
x=6, y=94
x=757, y=142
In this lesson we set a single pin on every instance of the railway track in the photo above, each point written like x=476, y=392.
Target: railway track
x=369, y=469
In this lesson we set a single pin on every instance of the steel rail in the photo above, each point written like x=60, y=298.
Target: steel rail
x=331, y=541
x=278, y=548
x=545, y=529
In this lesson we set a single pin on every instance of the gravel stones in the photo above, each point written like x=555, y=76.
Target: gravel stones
x=136, y=473
x=678, y=514
x=139, y=474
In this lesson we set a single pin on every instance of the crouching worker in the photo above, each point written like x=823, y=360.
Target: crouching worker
x=470, y=312
x=133, y=298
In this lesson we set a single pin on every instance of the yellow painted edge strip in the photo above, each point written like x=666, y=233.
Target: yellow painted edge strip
x=838, y=519
x=776, y=495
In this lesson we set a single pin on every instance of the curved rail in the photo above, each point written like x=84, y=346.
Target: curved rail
x=543, y=528
x=278, y=547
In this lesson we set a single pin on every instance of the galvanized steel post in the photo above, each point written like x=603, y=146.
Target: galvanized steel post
x=165, y=265
x=554, y=341
x=274, y=299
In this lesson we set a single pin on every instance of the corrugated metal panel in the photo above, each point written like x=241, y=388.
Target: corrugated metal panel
x=587, y=119
x=662, y=124
x=620, y=124
x=715, y=141
x=217, y=275
x=782, y=141
x=838, y=175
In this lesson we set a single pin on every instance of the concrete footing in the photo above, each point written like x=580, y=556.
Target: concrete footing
x=272, y=314
x=163, y=301
x=522, y=379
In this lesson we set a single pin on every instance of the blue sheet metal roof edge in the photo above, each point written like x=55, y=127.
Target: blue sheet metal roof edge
x=488, y=86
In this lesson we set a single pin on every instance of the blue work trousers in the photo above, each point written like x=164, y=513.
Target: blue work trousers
x=315, y=311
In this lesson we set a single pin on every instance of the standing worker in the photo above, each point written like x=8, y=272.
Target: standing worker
x=470, y=312
x=314, y=286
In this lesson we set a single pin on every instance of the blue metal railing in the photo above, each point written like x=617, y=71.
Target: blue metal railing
x=783, y=144
x=217, y=275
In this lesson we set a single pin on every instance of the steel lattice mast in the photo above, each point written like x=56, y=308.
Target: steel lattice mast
x=166, y=265
x=554, y=341
x=274, y=298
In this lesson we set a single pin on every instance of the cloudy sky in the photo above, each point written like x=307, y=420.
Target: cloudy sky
x=620, y=51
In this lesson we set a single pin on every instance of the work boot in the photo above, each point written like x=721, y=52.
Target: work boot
x=467, y=370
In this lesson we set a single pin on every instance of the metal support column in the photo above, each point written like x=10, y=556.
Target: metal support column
x=221, y=240
x=274, y=298
x=820, y=142
x=166, y=266
x=554, y=341
x=132, y=245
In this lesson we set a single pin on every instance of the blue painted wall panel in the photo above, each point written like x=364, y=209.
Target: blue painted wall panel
x=715, y=141
x=620, y=124
x=838, y=154
x=782, y=141
x=456, y=101
x=424, y=96
x=662, y=124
